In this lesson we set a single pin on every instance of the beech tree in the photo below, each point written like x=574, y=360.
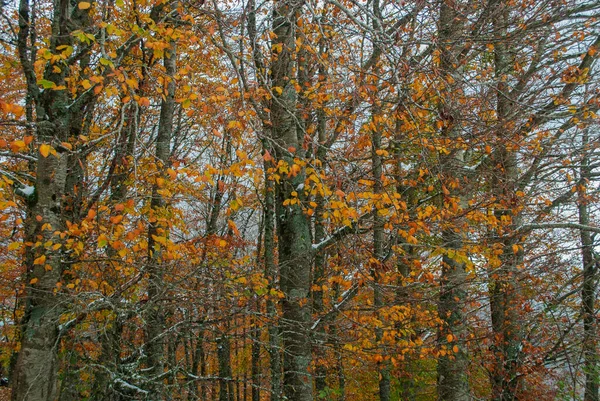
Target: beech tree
x=299, y=200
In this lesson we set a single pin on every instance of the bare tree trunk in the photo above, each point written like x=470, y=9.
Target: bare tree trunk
x=292, y=224
x=55, y=199
x=504, y=291
x=452, y=367
x=274, y=347
x=376, y=271
x=590, y=284
x=255, y=355
x=155, y=318
x=321, y=256
x=224, y=360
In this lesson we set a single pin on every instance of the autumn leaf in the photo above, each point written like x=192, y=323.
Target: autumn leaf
x=45, y=150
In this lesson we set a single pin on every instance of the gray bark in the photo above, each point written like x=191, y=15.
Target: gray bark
x=378, y=253
x=452, y=367
x=55, y=200
x=155, y=319
x=590, y=285
x=292, y=224
x=504, y=291
x=224, y=360
x=321, y=255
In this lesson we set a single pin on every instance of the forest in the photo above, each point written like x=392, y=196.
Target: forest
x=299, y=200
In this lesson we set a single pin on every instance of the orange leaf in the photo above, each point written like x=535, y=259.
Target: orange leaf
x=44, y=150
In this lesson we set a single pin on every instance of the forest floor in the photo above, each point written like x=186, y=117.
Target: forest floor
x=4, y=394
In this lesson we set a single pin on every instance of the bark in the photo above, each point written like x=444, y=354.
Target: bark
x=255, y=363
x=504, y=290
x=452, y=367
x=224, y=360
x=274, y=333
x=111, y=360
x=377, y=270
x=292, y=224
x=110, y=340
x=198, y=364
x=407, y=253
x=378, y=234
x=270, y=268
x=590, y=285
x=155, y=319
x=321, y=256
x=55, y=200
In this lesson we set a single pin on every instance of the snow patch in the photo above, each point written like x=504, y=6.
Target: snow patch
x=28, y=190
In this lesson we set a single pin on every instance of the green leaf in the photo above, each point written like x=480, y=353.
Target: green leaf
x=46, y=84
x=107, y=62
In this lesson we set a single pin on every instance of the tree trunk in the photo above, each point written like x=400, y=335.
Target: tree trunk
x=255, y=355
x=55, y=199
x=504, y=291
x=224, y=360
x=155, y=319
x=452, y=366
x=377, y=270
x=590, y=283
x=292, y=224
x=320, y=258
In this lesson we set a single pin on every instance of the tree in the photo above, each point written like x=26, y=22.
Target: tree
x=299, y=200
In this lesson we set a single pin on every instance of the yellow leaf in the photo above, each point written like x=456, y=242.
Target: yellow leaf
x=235, y=204
x=45, y=150
x=450, y=338
x=40, y=261
x=102, y=241
x=84, y=5
x=455, y=349
x=33, y=281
